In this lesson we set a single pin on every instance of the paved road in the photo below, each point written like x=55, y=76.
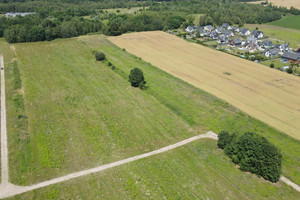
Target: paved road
x=4, y=156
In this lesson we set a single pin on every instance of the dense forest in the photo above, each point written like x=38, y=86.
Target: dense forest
x=69, y=18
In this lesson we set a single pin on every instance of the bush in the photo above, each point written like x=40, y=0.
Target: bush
x=253, y=153
x=136, y=77
x=99, y=56
x=109, y=64
x=223, y=139
x=272, y=65
x=289, y=70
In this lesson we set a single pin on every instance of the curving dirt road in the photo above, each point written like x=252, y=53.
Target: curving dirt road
x=9, y=190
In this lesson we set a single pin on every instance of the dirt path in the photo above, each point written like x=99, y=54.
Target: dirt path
x=9, y=190
x=290, y=183
x=4, y=155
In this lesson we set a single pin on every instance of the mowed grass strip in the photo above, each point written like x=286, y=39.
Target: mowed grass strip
x=195, y=171
x=266, y=94
x=79, y=114
x=197, y=107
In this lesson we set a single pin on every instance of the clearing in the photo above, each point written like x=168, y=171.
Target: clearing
x=124, y=10
x=268, y=95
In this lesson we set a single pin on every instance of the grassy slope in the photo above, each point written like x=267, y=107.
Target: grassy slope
x=290, y=21
x=196, y=171
x=200, y=108
x=283, y=35
x=77, y=110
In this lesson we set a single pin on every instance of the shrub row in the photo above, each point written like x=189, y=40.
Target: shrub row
x=253, y=153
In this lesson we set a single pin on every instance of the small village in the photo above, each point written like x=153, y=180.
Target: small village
x=253, y=45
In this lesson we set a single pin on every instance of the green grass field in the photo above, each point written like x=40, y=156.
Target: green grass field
x=289, y=21
x=73, y=113
x=196, y=171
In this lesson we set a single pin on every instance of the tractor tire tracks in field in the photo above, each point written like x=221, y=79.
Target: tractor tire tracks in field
x=7, y=189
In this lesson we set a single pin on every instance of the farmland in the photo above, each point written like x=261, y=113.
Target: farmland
x=266, y=94
x=80, y=113
x=284, y=3
x=289, y=21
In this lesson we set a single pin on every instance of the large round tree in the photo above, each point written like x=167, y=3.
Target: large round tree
x=136, y=77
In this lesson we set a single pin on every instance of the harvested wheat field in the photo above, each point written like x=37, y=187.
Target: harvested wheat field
x=264, y=93
x=284, y=3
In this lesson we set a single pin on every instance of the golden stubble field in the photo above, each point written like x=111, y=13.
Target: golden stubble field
x=284, y=3
x=264, y=93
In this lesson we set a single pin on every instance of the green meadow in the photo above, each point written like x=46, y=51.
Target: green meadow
x=196, y=171
x=67, y=112
x=289, y=21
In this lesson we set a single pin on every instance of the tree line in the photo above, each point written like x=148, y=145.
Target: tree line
x=64, y=19
x=230, y=11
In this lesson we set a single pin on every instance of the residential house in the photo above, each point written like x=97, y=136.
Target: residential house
x=219, y=30
x=236, y=29
x=208, y=28
x=223, y=39
x=245, y=32
x=285, y=47
x=271, y=52
x=203, y=33
x=251, y=44
x=236, y=42
x=252, y=39
x=214, y=35
x=267, y=44
x=226, y=26
x=277, y=46
x=292, y=57
x=12, y=14
x=190, y=29
x=228, y=33
x=257, y=34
